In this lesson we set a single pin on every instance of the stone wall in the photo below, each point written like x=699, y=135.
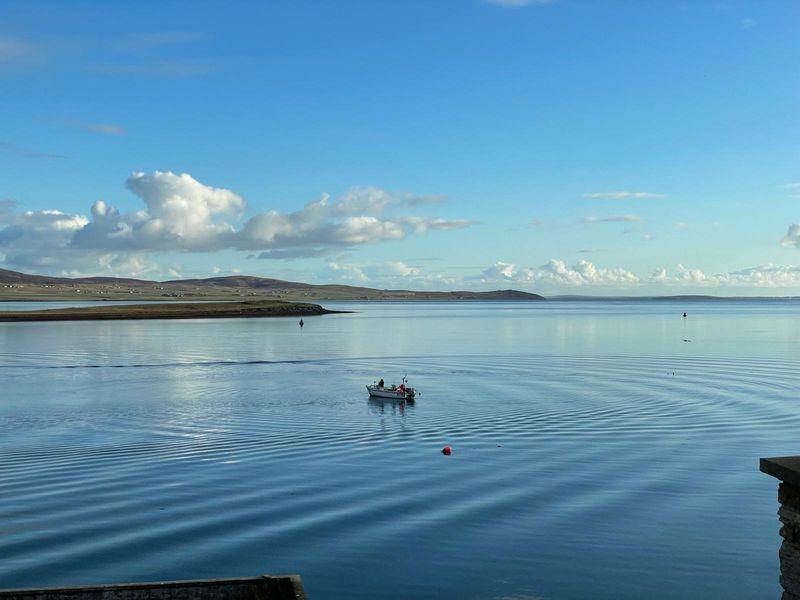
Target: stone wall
x=266, y=587
x=789, y=515
x=787, y=469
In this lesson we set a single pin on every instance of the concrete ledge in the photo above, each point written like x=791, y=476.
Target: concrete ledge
x=265, y=587
x=785, y=468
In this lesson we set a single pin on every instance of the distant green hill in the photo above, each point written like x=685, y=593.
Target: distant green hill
x=22, y=286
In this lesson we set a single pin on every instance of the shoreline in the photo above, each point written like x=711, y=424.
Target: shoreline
x=177, y=310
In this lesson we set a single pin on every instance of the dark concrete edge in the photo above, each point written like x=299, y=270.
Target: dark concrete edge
x=785, y=468
x=294, y=579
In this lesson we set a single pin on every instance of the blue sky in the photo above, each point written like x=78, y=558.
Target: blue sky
x=569, y=146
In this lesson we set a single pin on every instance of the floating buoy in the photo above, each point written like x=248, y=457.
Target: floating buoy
x=447, y=450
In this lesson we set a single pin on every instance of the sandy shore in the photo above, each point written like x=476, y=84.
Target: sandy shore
x=202, y=310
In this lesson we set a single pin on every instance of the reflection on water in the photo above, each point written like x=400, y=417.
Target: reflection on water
x=593, y=451
x=394, y=406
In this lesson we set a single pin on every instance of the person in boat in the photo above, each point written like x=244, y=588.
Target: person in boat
x=380, y=384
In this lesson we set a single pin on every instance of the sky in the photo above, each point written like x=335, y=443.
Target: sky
x=602, y=147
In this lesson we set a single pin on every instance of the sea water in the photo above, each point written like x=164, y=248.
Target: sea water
x=603, y=449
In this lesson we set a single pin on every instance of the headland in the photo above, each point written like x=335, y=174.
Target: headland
x=174, y=310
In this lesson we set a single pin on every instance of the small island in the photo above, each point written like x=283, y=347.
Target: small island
x=174, y=310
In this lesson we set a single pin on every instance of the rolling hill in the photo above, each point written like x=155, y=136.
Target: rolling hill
x=22, y=286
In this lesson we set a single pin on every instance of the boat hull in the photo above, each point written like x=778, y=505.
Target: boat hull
x=394, y=394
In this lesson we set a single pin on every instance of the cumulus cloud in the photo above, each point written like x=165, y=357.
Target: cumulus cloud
x=557, y=273
x=762, y=276
x=389, y=275
x=41, y=241
x=323, y=226
x=622, y=195
x=659, y=276
x=499, y=271
x=401, y=269
x=181, y=214
x=584, y=273
x=347, y=272
x=612, y=219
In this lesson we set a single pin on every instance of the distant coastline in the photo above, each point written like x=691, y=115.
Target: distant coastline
x=16, y=286
x=22, y=287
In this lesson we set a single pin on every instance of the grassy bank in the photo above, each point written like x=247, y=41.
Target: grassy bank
x=204, y=310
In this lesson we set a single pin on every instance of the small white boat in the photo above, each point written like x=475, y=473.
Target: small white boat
x=395, y=392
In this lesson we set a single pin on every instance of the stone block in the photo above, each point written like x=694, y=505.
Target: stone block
x=789, y=495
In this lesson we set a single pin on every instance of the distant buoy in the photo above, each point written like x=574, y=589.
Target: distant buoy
x=447, y=450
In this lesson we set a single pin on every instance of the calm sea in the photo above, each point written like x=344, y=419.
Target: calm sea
x=600, y=449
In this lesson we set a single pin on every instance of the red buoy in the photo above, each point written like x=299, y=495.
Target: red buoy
x=447, y=450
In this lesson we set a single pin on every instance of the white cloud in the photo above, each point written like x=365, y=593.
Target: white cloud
x=41, y=241
x=612, y=219
x=659, y=276
x=762, y=276
x=556, y=273
x=347, y=272
x=584, y=273
x=499, y=271
x=401, y=269
x=622, y=195
x=183, y=215
x=387, y=275
x=322, y=226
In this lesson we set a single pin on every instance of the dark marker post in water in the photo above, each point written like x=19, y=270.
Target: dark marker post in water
x=301, y=323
